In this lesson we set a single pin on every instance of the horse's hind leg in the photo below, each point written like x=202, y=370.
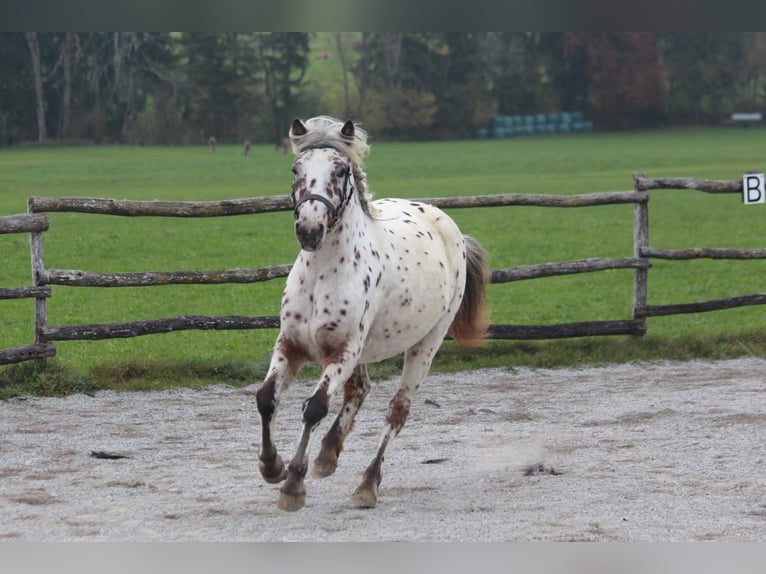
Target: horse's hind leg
x=354, y=392
x=417, y=362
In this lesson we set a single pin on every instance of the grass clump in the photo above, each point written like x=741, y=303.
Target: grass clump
x=51, y=378
x=600, y=351
x=47, y=378
x=137, y=376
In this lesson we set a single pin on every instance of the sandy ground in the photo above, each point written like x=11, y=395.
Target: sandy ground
x=643, y=452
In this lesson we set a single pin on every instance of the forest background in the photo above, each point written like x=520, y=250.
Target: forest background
x=179, y=88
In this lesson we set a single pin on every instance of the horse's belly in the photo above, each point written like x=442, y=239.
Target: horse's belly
x=376, y=349
x=398, y=327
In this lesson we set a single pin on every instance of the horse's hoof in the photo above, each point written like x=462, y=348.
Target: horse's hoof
x=365, y=496
x=274, y=471
x=324, y=465
x=291, y=502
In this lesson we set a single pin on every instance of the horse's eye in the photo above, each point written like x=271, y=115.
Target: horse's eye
x=294, y=170
x=341, y=171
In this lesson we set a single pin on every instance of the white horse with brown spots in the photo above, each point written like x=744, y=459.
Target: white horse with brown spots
x=373, y=280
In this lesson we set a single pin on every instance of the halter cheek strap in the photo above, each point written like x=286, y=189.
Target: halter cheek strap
x=335, y=210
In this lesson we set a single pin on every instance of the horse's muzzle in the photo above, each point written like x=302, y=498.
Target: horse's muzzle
x=309, y=237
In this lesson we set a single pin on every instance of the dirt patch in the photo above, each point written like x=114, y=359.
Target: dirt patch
x=642, y=452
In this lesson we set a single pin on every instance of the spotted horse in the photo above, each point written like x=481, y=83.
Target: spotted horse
x=373, y=279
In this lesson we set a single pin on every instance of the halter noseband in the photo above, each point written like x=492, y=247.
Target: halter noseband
x=335, y=210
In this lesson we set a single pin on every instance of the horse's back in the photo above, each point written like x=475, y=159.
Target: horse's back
x=420, y=226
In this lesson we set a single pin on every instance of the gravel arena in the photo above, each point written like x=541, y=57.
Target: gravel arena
x=669, y=451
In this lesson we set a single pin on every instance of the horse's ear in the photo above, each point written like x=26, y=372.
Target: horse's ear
x=298, y=128
x=347, y=131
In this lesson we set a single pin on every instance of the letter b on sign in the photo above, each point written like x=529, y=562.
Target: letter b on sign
x=753, y=188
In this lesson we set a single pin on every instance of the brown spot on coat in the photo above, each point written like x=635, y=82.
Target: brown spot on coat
x=295, y=353
x=399, y=410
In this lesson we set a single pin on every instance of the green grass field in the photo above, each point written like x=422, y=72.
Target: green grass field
x=512, y=235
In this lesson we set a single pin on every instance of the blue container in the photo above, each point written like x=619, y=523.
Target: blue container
x=582, y=127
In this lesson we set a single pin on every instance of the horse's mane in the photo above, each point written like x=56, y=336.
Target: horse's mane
x=326, y=130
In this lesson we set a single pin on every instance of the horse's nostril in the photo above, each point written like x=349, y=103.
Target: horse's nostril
x=309, y=237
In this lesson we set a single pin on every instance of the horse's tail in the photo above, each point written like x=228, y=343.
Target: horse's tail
x=471, y=324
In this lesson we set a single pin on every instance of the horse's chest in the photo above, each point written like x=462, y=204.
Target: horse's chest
x=328, y=302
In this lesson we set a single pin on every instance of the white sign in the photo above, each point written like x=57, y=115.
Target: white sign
x=753, y=188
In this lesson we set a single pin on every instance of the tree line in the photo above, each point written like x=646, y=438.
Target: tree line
x=183, y=88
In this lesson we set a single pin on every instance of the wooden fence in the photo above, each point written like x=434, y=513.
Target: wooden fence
x=36, y=222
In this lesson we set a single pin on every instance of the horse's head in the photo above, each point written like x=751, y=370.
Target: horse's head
x=322, y=188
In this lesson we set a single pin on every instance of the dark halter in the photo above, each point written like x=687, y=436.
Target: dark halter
x=335, y=210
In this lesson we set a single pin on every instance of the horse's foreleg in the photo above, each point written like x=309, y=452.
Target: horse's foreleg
x=271, y=465
x=354, y=392
x=284, y=366
x=292, y=495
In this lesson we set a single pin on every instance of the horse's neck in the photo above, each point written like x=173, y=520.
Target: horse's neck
x=342, y=242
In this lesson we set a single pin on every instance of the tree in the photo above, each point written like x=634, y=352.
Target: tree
x=17, y=117
x=343, y=48
x=622, y=70
x=461, y=90
x=705, y=72
x=396, y=75
x=283, y=57
x=212, y=80
x=37, y=75
x=66, y=49
x=123, y=71
x=751, y=97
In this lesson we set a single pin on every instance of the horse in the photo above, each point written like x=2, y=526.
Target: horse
x=282, y=145
x=373, y=279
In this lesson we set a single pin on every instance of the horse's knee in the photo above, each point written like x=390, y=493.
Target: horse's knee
x=315, y=408
x=265, y=398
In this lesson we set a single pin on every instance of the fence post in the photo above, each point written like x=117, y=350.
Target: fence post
x=640, y=242
x=38, y=269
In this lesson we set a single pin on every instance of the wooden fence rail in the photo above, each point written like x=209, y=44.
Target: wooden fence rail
x=75, y=278
x=131, y=208
x=36, y=222
x=24, y=222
